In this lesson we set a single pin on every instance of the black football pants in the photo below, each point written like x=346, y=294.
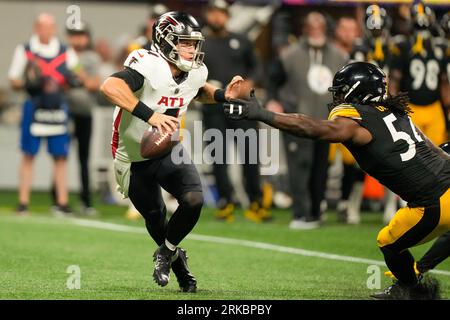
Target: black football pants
x=180, y=180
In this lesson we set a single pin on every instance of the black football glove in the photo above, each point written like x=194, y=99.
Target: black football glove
x=237, y=109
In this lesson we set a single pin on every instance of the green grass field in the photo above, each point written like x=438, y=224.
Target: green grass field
x=241, y=260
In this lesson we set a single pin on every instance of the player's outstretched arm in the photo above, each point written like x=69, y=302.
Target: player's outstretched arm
x=338, y=130
x=211, y=94
x=117, y=91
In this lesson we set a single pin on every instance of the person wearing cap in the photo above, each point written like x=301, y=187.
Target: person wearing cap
x=42, y=68
x=82, y=100
x=227, y=54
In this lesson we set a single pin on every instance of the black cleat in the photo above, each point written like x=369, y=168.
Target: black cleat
x=394, y=292
x=162, y=258
x=425, y=289
x=185, y=278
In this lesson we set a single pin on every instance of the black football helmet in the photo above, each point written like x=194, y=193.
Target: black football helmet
x=376, y=20
x=172, y=27
x=445, y=24
x=359, y=82
x=446, y=147
x=422, y=17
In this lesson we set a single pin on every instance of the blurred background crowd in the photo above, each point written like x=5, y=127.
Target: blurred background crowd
x=287, y=50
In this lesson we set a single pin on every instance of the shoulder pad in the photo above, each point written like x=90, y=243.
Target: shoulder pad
x=345, y=110
x=148, y=63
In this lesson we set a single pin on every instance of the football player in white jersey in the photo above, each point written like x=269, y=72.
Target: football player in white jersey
x=154, y=89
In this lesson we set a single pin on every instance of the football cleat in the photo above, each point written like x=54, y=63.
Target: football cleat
x=425, y=289
x=265, y=214
x=185, y=278
x=394, y=292
x=226, y=213
x=163, y=259
x=257, y=214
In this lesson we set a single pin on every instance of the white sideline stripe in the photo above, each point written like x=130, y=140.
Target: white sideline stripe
x=243, y=243
x=95, y=224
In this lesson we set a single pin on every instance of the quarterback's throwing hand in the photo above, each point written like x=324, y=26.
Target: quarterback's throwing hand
x=164, y=122
x=233, y=89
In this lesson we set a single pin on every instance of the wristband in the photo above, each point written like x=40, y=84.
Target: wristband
x=142, y=111
x=219, y=95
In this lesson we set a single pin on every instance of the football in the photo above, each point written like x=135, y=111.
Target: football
x=155, y=144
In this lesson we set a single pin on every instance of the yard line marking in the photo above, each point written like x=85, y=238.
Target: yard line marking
x=239, y=242
x=95, y=224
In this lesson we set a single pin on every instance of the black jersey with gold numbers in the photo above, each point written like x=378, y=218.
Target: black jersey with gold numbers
x=397, y=156
x=421, y=65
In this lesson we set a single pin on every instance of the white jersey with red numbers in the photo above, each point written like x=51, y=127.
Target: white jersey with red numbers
x=160, y=92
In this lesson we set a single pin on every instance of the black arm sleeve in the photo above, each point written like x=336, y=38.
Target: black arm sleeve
x=199, y=93
x=134, y=79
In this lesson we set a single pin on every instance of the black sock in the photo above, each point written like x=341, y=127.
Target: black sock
x=439, y=251
x=401, y=264
x=185, y=217
x=156, y=225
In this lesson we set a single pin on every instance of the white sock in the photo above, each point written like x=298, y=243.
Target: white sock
x=170, y=246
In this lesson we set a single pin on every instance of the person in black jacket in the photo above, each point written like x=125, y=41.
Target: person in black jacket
x=227, y=54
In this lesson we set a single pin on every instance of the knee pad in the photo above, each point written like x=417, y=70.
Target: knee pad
x=155, y=214
x=384, y=237
x=192, y=199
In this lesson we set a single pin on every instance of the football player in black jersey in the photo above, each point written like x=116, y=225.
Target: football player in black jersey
x=439, y=251
x=418, y=69
x=375, y=47
x=379, y=133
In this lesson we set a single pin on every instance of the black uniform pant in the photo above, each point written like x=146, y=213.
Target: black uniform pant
x=83, y=132
x=213, y=118
x=439, y=251
x=181, y=181
x=307, y=162
x=352, y=174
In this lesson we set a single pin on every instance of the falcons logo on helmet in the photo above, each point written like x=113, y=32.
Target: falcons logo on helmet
x=166, y=26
